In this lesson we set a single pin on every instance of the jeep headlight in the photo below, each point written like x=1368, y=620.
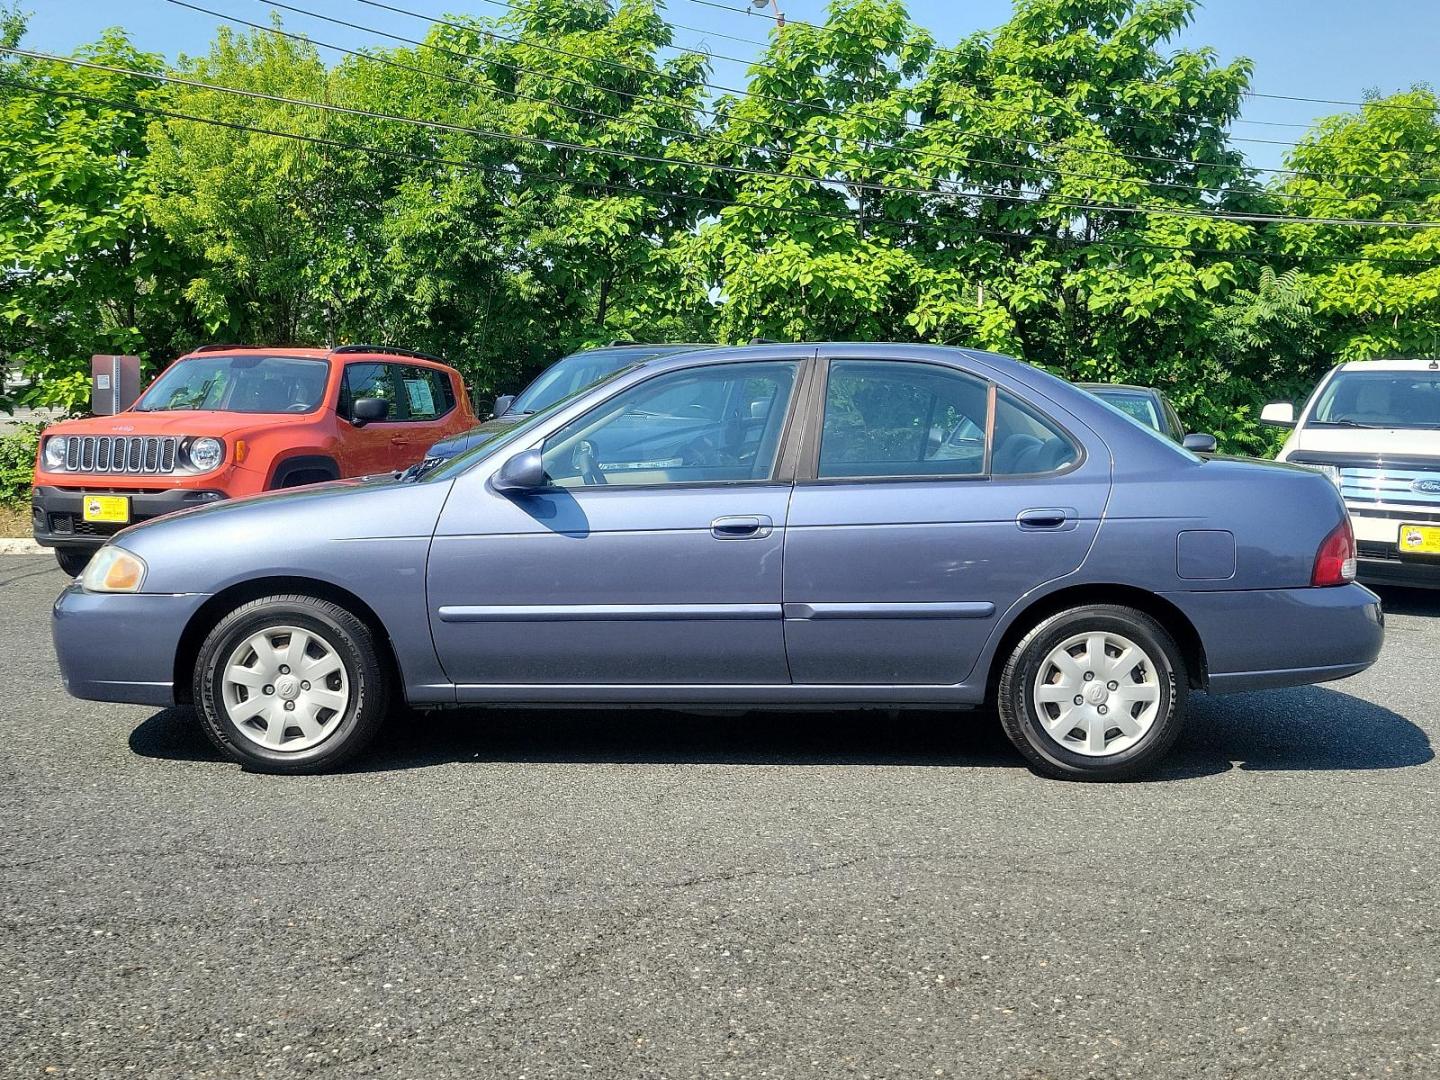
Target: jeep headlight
x=54, y=456
x=205, y=454
x=113, y=569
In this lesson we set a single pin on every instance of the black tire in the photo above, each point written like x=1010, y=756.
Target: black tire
x=74, y=560
x=352, y=641
x=1020, y=713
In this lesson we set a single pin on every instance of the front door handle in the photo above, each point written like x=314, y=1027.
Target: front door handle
x=742, y=527
x=1052, y=517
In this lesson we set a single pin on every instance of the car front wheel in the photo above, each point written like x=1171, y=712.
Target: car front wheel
x=290, y=684
x=1094, y=693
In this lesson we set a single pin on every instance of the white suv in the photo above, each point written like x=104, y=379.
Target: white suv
x=1373, y=427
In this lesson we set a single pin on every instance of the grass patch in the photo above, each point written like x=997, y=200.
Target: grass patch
x=15, y=519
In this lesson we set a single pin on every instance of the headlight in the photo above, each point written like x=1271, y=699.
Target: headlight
x=113, y=569
x=1332, y=471
x=205, y=454
x=55, y=448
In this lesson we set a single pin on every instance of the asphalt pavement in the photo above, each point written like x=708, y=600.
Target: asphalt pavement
x=632, y=893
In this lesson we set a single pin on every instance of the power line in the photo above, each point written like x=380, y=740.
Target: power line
x=826, y=110
x=1161, y=86
x=1059, y=202
x=511, y=173
x=1130, y=159
x=746, y=93
x=708, y=138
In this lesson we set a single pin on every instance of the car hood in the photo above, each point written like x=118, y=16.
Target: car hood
x=468, y=440
x=1377, y=442
x=178, y=422
x=319, y=531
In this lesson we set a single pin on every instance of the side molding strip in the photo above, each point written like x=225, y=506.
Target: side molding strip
x=608, y=612
x=975, y=609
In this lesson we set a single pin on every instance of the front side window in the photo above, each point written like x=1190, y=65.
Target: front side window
x=716, y=424
x=1380, y=399
x=902, y=419
x=241, y=384
x=370, y=380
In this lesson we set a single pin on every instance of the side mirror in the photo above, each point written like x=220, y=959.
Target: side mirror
x=368, y=410
x=503, y=403
x=1278, y=414
x=523, y=472
x=1199, y=444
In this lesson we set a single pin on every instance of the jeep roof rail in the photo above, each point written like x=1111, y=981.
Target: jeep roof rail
x=387, y=350
x=762, y=341
x=219, y=348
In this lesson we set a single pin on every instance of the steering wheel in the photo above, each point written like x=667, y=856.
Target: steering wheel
x=297, y=406
x=589, y=467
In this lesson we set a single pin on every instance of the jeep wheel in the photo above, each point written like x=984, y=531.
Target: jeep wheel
x=73, y=560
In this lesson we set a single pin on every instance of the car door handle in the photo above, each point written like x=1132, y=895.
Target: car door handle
x=1052, y=517
x=742, y=527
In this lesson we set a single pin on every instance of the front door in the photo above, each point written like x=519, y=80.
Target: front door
x=653, y=556
x=933, y=501
x=373, y=447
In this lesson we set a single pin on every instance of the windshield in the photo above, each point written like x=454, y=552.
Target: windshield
x=240, y=384
x=1380, y=399
x=565, y=377
x=1136, y=405
x=460, y=462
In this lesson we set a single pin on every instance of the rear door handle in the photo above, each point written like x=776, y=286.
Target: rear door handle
x=1053, y=517
x=742, y=527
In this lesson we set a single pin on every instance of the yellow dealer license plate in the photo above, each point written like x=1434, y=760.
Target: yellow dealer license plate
x=110, y=509
x=1420, y=539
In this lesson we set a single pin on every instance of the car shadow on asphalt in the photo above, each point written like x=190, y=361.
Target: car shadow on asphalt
x=1308, y=729
x=1398, y=601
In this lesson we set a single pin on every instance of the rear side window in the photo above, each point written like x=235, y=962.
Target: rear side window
x=1026, y=443
x=902, y=419
x=427, y=393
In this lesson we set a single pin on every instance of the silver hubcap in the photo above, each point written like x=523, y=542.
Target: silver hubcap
x=285, y=688
x=1097, y=694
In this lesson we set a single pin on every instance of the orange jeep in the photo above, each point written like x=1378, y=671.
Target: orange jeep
x=223, y=422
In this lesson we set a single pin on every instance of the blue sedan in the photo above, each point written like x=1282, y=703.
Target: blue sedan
x=842, y=525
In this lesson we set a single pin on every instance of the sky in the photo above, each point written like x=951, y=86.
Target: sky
x=1335, y=49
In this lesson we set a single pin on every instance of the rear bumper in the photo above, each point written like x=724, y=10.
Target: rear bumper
x=1263, y=638
x=57, y=514
x=120, y=646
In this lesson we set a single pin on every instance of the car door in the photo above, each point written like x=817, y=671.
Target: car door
x=372, y=447
x=426, y=398
x=929, y=503
x=652, y=555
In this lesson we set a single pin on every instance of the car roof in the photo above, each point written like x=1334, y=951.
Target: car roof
x=1092, y=387
x=1392, y=364
x=309, y=352
x=638, y=351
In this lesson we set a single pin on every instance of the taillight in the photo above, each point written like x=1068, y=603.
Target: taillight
x=1335, y=561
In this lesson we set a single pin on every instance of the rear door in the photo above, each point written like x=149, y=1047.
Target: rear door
x=931, y=501
x=426, y=400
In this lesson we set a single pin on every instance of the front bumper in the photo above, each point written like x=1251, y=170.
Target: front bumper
x=121, y=646
x=58, y=514
x=1256, y=639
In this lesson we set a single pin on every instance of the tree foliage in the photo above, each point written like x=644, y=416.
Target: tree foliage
x=1046, y=189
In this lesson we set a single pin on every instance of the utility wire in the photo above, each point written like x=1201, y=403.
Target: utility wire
x=823, y=109
x=1160, y=86
x=714, y=140
x=518, y=178
x=849, y=186
x=760, y=96
x=877, y=143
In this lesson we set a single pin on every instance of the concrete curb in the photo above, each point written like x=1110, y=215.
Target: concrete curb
x=21, y=546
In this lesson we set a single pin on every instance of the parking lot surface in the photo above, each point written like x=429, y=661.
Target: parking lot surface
x=644, y=894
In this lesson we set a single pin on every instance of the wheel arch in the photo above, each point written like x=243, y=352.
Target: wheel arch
x=1163, y=611
x=297, y=463
x=209, y=614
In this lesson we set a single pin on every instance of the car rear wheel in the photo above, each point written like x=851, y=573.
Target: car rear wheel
x=73, y=560
x=1094, y=693
x=290, y=684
